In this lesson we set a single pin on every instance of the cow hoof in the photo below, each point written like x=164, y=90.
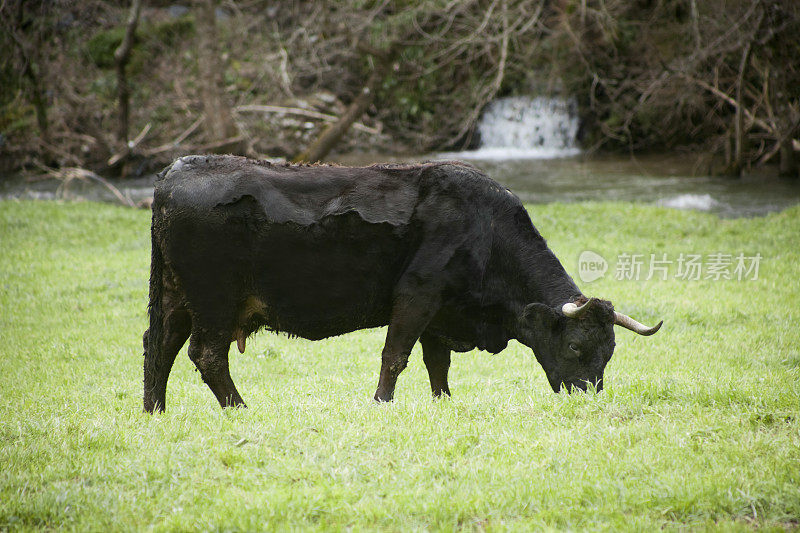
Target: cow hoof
x=382, y=398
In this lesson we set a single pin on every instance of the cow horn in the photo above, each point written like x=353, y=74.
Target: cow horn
x=573, y=310
x=628, y=323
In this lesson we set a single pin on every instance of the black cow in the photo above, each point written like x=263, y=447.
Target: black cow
x=438, y=251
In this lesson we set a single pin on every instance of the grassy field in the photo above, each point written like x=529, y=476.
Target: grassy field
x=697, y=428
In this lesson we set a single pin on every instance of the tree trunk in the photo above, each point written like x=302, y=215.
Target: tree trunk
x=121, y=57
x=219, y=122
x=32, y=71
x=39, y=100
x=737, y=166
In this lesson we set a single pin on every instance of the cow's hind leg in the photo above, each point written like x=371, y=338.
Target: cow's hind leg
x=437, y=360
x=209, y=352
x=159, y=358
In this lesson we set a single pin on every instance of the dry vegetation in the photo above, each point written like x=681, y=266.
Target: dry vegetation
x=276, y=78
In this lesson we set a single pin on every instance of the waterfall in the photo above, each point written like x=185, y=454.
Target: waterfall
x=523, y=127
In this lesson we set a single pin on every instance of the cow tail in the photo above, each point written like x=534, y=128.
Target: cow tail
x=153, y=337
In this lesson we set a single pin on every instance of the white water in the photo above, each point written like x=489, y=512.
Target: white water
x=522, y=127
x=700, y=202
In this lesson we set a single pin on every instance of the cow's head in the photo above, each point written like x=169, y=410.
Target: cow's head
x=575, y=342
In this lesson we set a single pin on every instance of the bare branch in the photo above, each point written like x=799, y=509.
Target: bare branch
x=301, y=112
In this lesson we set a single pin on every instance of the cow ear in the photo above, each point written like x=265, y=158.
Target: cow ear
x=539, y=316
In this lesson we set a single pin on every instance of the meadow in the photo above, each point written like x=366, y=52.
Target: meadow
x=697, y=427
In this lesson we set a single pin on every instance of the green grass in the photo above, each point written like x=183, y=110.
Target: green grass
x=697, y=428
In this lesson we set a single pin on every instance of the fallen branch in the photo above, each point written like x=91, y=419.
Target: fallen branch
x=303, y=113
x=135, y=142
x=130, y=147
x=216, y=145
x=777, y=146
x=177, y=141
x=67, y=174
x=334, y=132
x=779, y=142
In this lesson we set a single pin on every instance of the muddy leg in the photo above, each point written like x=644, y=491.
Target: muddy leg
x=158, y=364
x=437, y=361
x=209, y=352
x=410, y=316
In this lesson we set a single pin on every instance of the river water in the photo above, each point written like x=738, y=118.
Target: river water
x=666, y=180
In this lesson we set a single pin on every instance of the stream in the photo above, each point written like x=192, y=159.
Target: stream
x=666, y=180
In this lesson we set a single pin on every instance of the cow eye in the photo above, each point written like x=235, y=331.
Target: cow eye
x=574, y=348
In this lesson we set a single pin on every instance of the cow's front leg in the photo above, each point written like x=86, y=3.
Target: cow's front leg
x=437, y=360
x=410, y=316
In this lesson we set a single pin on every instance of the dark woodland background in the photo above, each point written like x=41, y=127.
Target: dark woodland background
x=120, y=88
